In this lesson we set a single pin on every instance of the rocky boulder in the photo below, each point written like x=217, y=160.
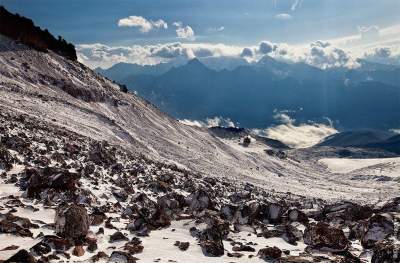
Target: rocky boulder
x=323, y=236
x=386, y=252
x=6, y=159
x=378, y=228
x=270, y=253
x=72, y=221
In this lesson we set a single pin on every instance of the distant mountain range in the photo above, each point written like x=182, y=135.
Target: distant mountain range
x=251, y=94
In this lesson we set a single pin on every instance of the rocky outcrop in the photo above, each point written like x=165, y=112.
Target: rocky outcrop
x=23, y=30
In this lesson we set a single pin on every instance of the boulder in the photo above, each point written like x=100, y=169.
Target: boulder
x=296, y=215
x=21, y=256
x=182, y=245
x=378, y=228
x=121, y=257
x=6, y=159
x=118, y=236
x=72, y=221
x=323, y=236
x=269, y=253
x=386, y=252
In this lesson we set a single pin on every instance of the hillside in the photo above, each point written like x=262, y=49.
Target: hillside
x=89, y=173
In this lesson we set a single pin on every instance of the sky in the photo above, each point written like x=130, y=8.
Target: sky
x=107, y=32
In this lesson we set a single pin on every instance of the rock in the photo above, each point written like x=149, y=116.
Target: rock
x=6, y=159
x=16, y=225
x=242, y=247
x=292, y=234
x=118, y=236
x=134, y=246
x=182, y=245
x=211, y=238
x=234, y=255
x=12, y=247
x=41, y=248
x=97, y=217
x=347, y=211
x=323, y=236
x=100, y=155
x=275, y=212
x=199, y=200
x=58, y=243
x=386, y=252
x=21, y=256
x=378, y=228
x=72, y=221
x=78, y=251
x=295, y=215
x=269, y=253
x=212, y=248
x=99, y=256
x=121, y=257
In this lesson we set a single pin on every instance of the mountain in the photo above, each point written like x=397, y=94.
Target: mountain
x=90, y=173
x=193, y=91
x=122, y=71
x=24, y=31
x=356, y=138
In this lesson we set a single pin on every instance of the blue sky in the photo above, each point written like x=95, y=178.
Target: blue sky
x=244, y=21
x=112, y=31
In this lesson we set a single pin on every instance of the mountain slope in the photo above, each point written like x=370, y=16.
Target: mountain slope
x=71, y=96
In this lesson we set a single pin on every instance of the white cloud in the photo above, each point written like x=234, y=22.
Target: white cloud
x=283, y=16
x=298, y=135
x=210, y=122
x=383, y=55
x=184, y=32
x=142, y=23
x=95, y=55
x=216, y=29
x=296, y=4
x=369, y=33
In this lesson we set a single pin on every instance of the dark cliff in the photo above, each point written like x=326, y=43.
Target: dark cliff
x=24, y=30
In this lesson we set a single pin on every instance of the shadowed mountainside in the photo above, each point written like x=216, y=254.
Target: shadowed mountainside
x=24, y=30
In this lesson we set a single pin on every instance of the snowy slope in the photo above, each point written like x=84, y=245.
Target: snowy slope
x=69, y=95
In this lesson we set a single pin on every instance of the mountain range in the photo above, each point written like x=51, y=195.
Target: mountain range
x=366, y=97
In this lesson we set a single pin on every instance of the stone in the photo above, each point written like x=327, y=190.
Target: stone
x=72, y=221
x=21, y=256
x=269, y=253
x=78, y=251
x=378, y=228
x=323, y=236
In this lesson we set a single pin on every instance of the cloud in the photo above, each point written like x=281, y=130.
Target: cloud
x=142, y=23
x=100, y=55
x=283, y=16
x=369, y=33
x=383, y=55
x=210, y=122
x=184, y=32
x=298, y=135
x=216, y=29
x=296, y=4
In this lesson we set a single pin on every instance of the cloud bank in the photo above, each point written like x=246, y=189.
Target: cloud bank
x=321, y=54
x=298, y=135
